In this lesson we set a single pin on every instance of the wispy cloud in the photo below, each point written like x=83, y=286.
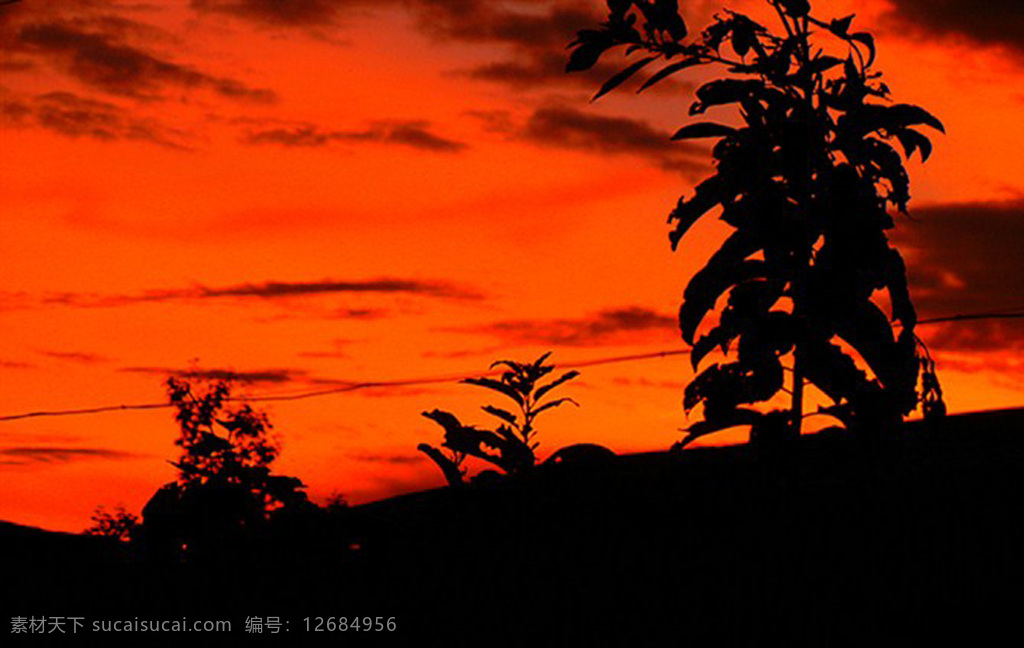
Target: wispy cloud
x=268, y=290
x=532, y=36
x=14, y=364
x=564, y=127
x=391, y=459
x=276, y=13
x=415, y=134
x=253, y=376
x=994, y=22
x=621, y=326
x=25, y=455
x=965, y=258
x=73, y=116
x=94, y=49
x=78, y=357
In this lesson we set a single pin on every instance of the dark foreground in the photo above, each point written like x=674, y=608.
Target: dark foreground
x=826, y=543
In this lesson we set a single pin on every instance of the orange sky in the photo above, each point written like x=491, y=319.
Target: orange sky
x=362, y=191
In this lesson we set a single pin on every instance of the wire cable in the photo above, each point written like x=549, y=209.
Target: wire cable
x=434, y=380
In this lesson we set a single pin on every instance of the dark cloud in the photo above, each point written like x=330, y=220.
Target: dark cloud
x=564, y=127
x=1008, y=369
x=277, y=13
x=390, y=459
x=537, y=67
x=76, y=356
x=675, y=385
x=258, y=376
x=73, y=116
x=976, y=336
x=398, y=389
x=272, y=289
x=606, y=328
x=415, y=134
x=269, y=290
x=13, y=364
x=541, y=23
x=993, y=22
x=103, y=60
x=359, y=313
x=966, y=258
x=533, y=35
x=545, y=25
x=336, y=353
x=28, y=455
x=461, y=353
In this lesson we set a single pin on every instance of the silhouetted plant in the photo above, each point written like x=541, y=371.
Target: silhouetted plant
x=119, y=525
x=225, y=488
x=511, y=446
x=804, y=180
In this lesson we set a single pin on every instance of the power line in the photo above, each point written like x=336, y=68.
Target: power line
x=356, y=386
x=971, y=317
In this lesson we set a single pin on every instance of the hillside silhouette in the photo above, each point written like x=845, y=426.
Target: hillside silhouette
x=828, y=543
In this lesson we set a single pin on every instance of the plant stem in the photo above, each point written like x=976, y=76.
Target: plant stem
x=797, y=407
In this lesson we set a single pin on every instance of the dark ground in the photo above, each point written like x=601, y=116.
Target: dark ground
x=826, y=543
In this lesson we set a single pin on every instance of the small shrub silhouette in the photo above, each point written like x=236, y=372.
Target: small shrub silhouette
x=511, y=446
x=225, y=491
x=804, y=181
x=119, y=525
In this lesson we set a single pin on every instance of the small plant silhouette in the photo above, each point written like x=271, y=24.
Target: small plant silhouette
x=511, y=446
x=119, y=525
x=804, y=181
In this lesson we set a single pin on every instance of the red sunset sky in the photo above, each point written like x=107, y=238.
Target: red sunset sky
x=318, y=192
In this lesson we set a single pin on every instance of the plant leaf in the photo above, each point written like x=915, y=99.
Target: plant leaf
x=618, y=78
x=668, y=70
x=687, y=212
x=823, y=63
x=703, y=129
x=868, y=40
x=915, y=141
x=496, y=385
x=504, y=415
x=589, y=46
x=726, y=268
x=840, y=26
x=909, y=115
x=554, y=403
x=541, y=391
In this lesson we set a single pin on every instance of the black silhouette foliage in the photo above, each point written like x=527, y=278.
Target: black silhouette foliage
x=511, y=446
x=225, y=490
x=805, y=178
x=119, y=524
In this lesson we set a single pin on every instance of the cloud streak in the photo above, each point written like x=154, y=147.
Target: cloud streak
x=94, y=51
x=563, y=127
x=612, y=327
x=257, y=376
x=965, y=258
x=70, y=115
x=26, y=455
x=76, y=357
x=994, y=22
x=269, y=291
x=415, y=134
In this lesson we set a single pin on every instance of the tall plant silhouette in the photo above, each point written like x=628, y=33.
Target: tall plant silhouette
x=804, y=177
x=510, y=447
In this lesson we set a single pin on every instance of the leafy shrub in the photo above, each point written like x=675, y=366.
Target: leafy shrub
x=225, y=490
x=805, y=181
x=119, y=525
x=511, y=446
